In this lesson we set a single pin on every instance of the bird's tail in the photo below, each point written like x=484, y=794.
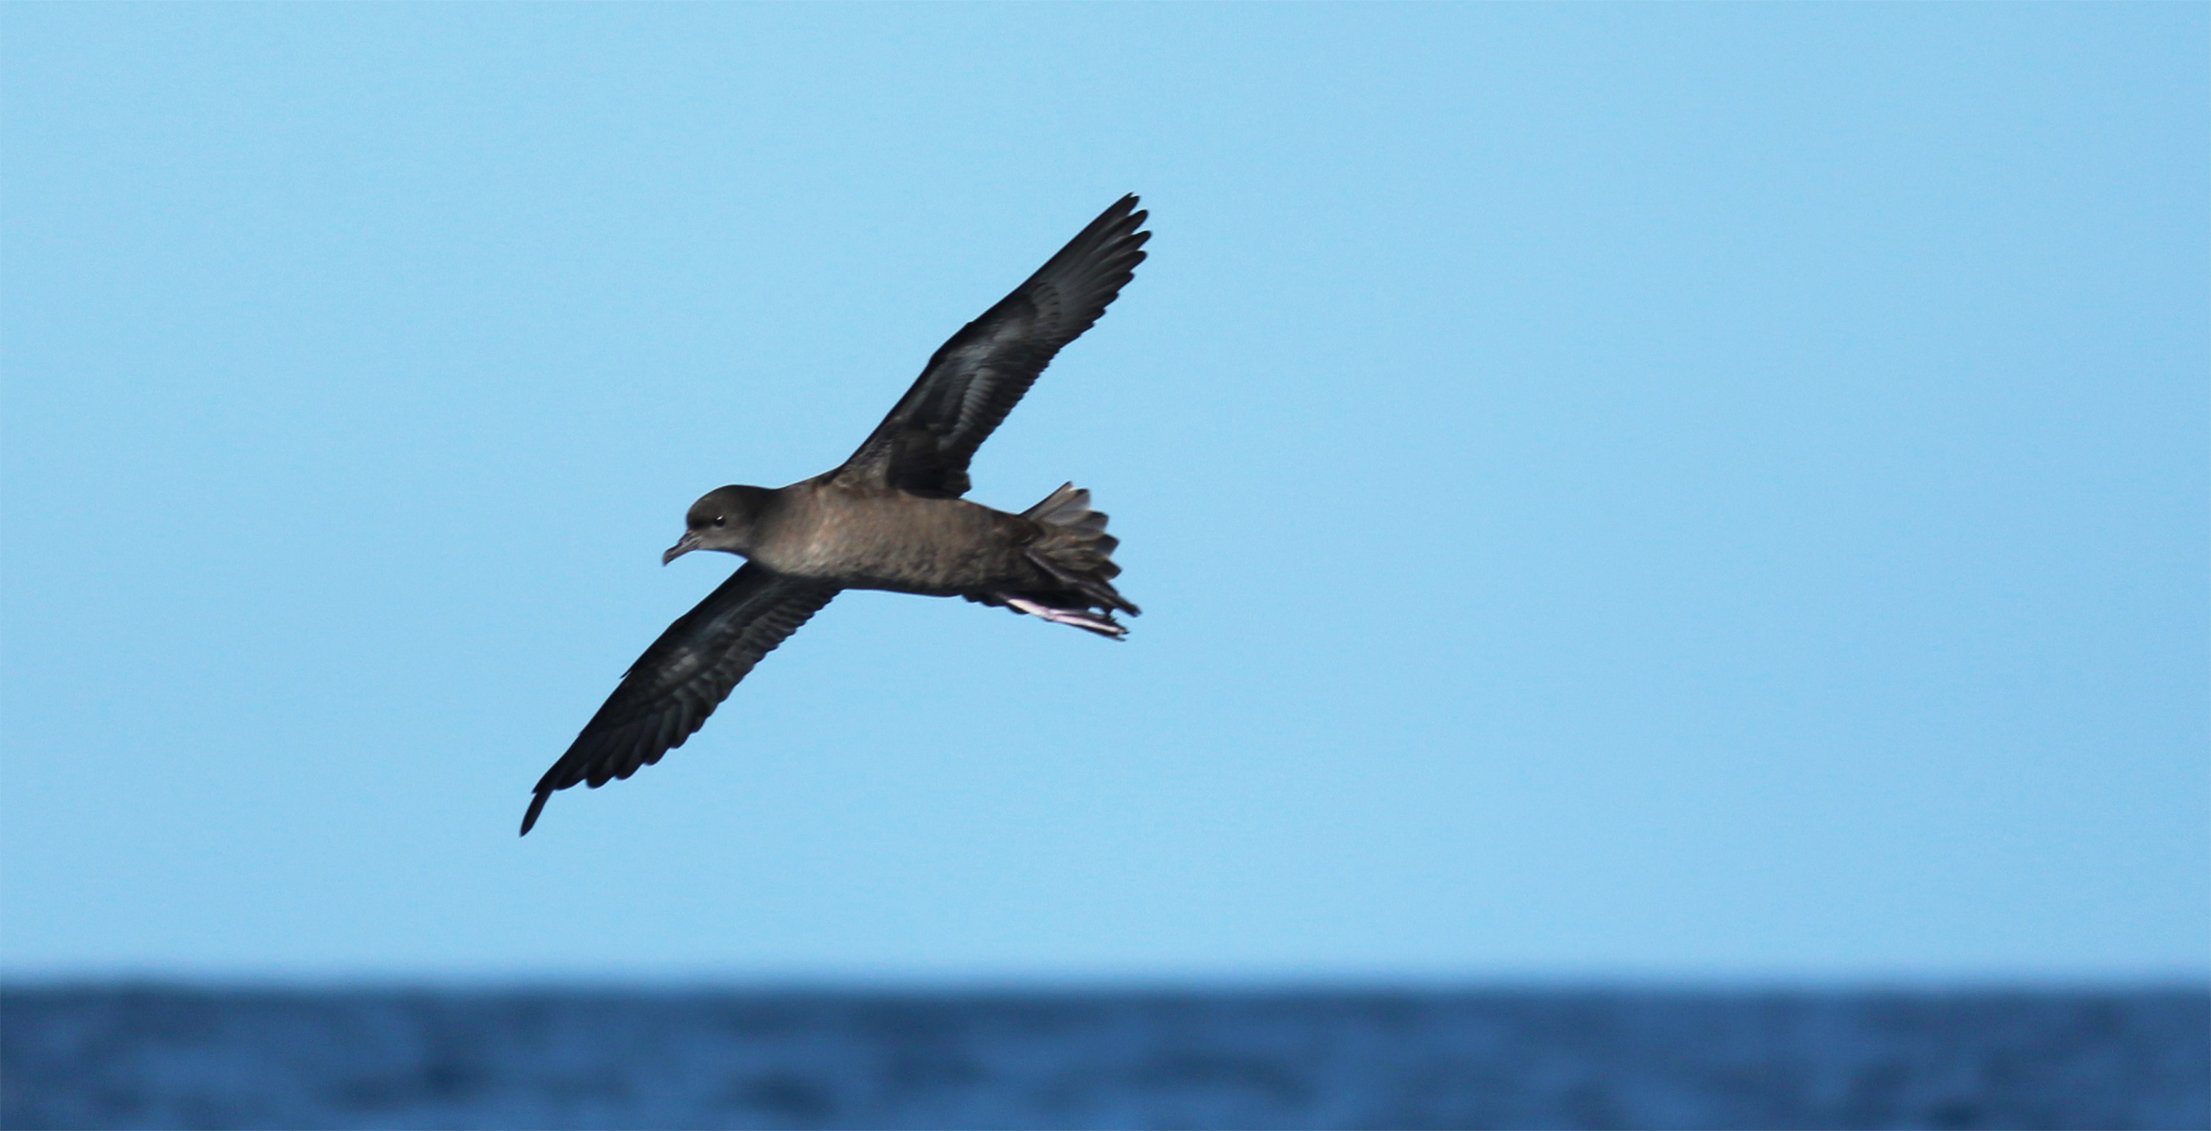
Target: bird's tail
x=1078, y=554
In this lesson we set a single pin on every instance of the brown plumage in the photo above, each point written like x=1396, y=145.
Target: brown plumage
x=890, y=517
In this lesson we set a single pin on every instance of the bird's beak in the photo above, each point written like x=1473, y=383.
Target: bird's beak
x=684, y=545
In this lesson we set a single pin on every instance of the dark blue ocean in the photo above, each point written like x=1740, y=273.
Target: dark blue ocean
x=152, y=1056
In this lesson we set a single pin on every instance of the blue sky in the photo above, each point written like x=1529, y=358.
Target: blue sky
x=1676, y=492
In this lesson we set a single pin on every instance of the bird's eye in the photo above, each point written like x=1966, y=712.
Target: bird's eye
x=721, y=520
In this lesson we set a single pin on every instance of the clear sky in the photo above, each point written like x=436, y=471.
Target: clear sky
x=1682, y=491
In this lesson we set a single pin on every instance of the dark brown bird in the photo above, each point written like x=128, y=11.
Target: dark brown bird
x=890, y=517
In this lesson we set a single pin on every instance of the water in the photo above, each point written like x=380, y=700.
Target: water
x=173, y=1057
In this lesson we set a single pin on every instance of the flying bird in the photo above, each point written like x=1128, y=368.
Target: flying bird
x=890, y=517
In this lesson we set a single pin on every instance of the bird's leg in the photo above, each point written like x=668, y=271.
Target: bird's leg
x=1080, y=618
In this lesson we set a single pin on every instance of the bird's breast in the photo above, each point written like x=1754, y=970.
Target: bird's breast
x=898, y=542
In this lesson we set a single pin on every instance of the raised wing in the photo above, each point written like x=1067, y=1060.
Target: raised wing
x=976, y=378
x=669, y=691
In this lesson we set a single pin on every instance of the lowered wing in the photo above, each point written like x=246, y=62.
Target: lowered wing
x=669, y=691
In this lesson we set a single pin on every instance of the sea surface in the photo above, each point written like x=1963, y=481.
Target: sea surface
x=160, y=1056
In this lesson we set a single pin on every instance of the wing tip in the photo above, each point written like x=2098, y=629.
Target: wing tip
x=1119, y=221
x=537, y=805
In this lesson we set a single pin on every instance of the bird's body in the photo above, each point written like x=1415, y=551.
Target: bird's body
x=890, y=517
x=861, y=538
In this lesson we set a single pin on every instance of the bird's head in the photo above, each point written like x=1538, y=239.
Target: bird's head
x=722, y=519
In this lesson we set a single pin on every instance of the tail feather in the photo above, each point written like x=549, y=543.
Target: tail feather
x=1078, y=555
x=1069, y=506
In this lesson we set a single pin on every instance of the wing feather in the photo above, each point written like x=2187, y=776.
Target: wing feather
x=980, y=373
x=667, y=694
